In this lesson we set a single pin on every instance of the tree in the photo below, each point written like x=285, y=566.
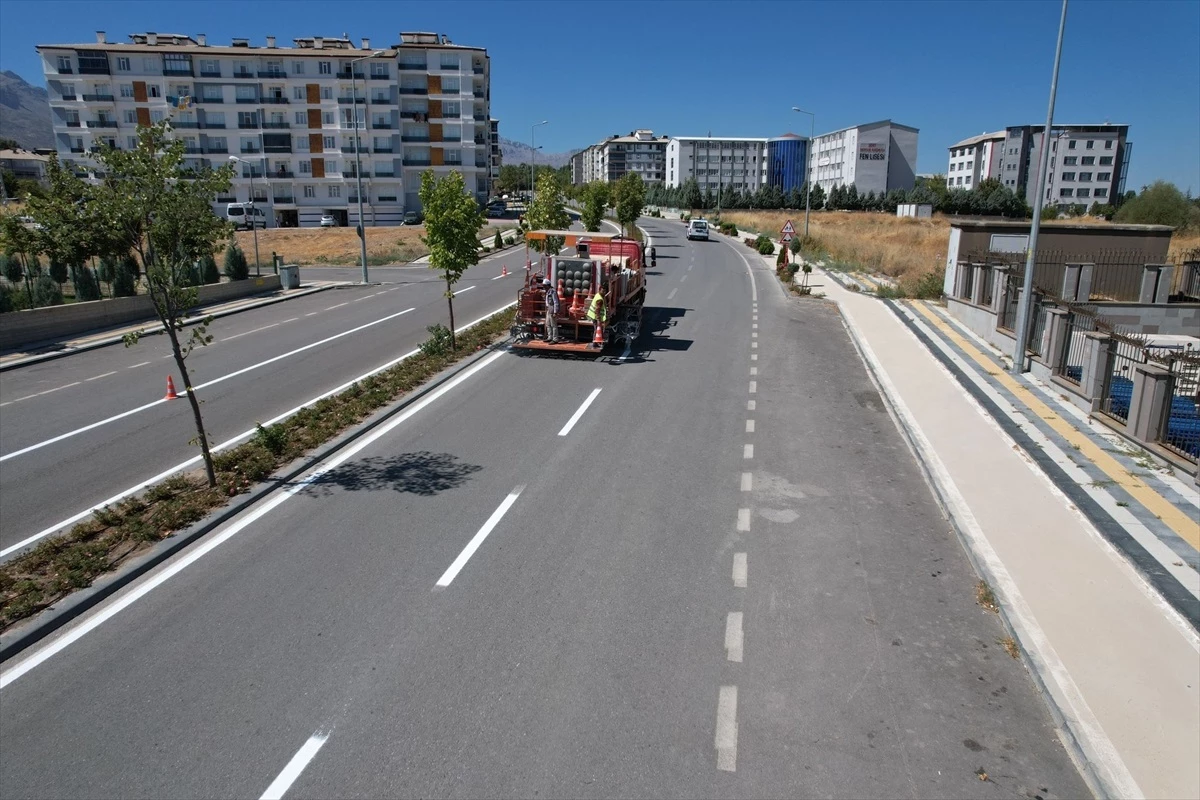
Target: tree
x=123, y=283
x=208, y=269
x=46, y=292
x=629, y=198
x=236, y=267
x=58, y=271
x=596, y=198
x=852, y=200
x=690, y=195
x=452, y=223
x=17, y=242
x=70, y=227
x=817, y=198
x=1160, y=203
x=147, y=201
x=548, y=211
x=86, y=286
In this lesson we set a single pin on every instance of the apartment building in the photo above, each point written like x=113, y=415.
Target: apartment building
x=717, y=162
x=640, y=152
x=26, y=164
x=1088, y=163
x=875, y=157
x=975, y=159
x=289, y=115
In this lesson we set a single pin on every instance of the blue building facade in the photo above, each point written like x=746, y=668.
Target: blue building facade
x=787, y=161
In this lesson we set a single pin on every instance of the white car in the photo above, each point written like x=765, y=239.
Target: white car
x=697, y=229
x=327, y=221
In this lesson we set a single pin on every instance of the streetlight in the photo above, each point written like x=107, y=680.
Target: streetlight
x=533, y=156
x=1024, y=312
x=812, y=129
x=253, y=221
x=362, y=231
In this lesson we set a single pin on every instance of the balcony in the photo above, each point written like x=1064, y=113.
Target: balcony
x=185, y=125
x=73, y=123
x=480, y=140
x=98, y=98
x=276, y=101
x=382, y=126
x=384, y=174
x=417, y=162
x=412, y=66
x=252, y=173
x=251, y=151
x=248, y=126
x=273, y=74
x=283, y=173
x=243, y=74
x=248, y=101
x=78, y=150
x=414, y=138
x=226, y=199
x=65, y=71
x=350, y=149
x=348, y=76
x=414, y=114
x=66, y=98
x=192, y=151
x=478, y=93
x=277, y=126
x=283, y=199
x=352, y=100
x=216, y=150
x=382, y=77
x=210, y=73
x=451, y=138
x=382, y=101
x=178, y=71
x=208, y=99
x=477, y=70
x=214, y=125
x=387, y=149
x=96, y=70
x=352, y=174
x=277, y=148
x=413, y=90
x=480, y=117
x=481, y=164
x=102, y=123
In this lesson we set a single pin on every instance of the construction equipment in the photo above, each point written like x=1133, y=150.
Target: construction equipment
x=615, y=264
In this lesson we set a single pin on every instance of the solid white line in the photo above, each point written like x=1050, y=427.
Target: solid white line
x=733, y=636
x=748, y=451
x=473, y=545
x=247, y=333
x=281, y=784
x=135, y=366
x=751, y=404
x=213, y=382
x=191, y=555
x=753, y=387
x=579, y=413
x=747, y=481
x=749, y=426
x=98, y=377
x=739, y=570
x=671, y=296
x=727, y=729
x=743, y=522
x=460, y=291
x=58, y=526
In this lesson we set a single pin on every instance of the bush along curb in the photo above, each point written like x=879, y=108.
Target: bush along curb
x=94, y=560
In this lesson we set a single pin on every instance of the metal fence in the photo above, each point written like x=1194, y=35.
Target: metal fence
x=1069, y=364
x=1012, y=297
x=1116, y=274
x=1117, y=395
x=1185, y=285
x=1180, y=429
x=986, y=291
x=967, y=284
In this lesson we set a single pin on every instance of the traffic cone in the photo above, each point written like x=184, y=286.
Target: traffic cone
x=170, y=389
x=504, y=270
x=598, y=337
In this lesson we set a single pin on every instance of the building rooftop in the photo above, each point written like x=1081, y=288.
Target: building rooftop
x=983, y=137
x=870, y=125
x=311, y=45
x=25, y=155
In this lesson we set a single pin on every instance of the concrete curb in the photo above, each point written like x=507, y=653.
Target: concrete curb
x=1039, y=670
x=117, y=339
x=75, y=604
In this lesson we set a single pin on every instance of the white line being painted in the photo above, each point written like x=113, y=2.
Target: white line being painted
x=753, y=387
x=213, y=382
x=98, y=377
x=733, y=637
x=743, y=521
x=256, y=330
x=751, y=405
x=191, y=556
x=671, y=296
x=748, y=451
x=58, y=526
x=460, y=291
x=749, y=426
x=578, y=413
x=473, y=545
x=747, y=481
x=307, y=753
x=727, y=729
x=739, y=570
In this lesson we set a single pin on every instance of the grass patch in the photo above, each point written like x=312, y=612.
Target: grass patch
x=985, y=597
x=70, y=561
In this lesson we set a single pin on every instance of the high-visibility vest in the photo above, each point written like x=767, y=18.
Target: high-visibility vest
x=596, y=310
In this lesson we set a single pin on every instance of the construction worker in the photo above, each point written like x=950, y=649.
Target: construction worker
x=597, y=313
x=551, y=311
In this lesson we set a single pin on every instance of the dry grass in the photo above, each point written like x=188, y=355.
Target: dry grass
x=1183, y=243
x=337, y=246
x=1010, y=646
x=985, y=597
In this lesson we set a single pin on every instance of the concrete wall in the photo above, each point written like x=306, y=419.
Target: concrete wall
x=56, y=323
x=1176, y=318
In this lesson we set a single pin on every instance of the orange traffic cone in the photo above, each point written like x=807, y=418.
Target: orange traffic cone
x=504, y=271
x=598, y=338
x=170, y=389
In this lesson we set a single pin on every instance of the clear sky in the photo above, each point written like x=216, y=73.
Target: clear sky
x=953, y=69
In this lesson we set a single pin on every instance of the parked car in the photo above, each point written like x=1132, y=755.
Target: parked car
x=497, y=209
x=413, y=217
x=245, y=216
x=328, y=221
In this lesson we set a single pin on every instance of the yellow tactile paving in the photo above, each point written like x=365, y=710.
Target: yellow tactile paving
x=874, y=284
x=1187, y=528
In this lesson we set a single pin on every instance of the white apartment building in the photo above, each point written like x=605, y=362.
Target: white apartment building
x=288, y=114
x=640, y=152
x=717, y=162
x=974, y=160
x=876, y=157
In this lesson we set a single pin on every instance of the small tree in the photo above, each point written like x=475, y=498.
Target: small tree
x=58, y=272
x=596, y=198
x=236, y=268
x=46, y=292
x=123, y=283
x=548, y=211
x=1160, y=203
x=629, y=198
x=452, y=223
x=497, y=241
x=208, y=269
x=86, y=285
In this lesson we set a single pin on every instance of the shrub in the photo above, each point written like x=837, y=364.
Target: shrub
x=107, y=269
x=928, y=286
x=123, y=284
x=47, y=292
x=59, y=272
x=1049, y=213
x=498, y=242
x=764, y=245
x=208, y=270
x=750, y=241
x=6, y=299
x=782, y=259
x=236, y=268
x=274, y=439
x=10, y=263
x=438, y=343
x=86, y=285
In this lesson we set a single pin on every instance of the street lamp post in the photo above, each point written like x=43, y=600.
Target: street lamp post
x=362, y=230
x=253, y=221
x=533, y=156
x=812, y=129
x=1024, y=311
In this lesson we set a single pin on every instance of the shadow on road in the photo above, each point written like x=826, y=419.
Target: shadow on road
x=422, y=473
x=656, y=322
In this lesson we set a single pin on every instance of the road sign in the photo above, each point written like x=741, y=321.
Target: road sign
x=787, y=236
x=787, y=229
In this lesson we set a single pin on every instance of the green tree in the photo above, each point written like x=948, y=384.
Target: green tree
x=208, y=269
x=817, y=199
x=596, y=198
x=691, y=196
x=123, y=282
x=1160, y=203
x=236, y=267
x=46, y=292
x=548, y=211
x=86, y=285
x=629, y=198
x=452, y=223
x=70, y=221
x=147, y=200
x=58, y=271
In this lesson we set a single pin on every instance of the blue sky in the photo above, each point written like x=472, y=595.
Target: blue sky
x=952, y=69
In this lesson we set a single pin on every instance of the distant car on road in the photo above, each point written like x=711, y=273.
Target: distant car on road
x=328, y=221
x=413, y=218
x=29, y=222
x=697, y=229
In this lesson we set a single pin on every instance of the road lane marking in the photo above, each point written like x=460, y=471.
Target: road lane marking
x=754, y=356
x=135, y=366
x=739, y=570
x=727, y=732
x=753, y=387
x=281, y=784
x=498, y=277
x=39, y=394
x=750, y=405
x=473, y=545
x=749, y=426
x=312, y=313
x=754, y=335
x=98, y=377
x=748, y=451
x=747, y=481
x=201, y=549
x=684, y=278
x=753, y=370
x=754, y=344
x=460, y=291
x=213, y=382
x=256, y=330
x=578, y=413
x=733, y=637
x=291, y=319
x=671, y=296
x=58, y=526
x=690, y=267
x=743, y=521
x=339, y=305
x=755, y=318
x=755, y=325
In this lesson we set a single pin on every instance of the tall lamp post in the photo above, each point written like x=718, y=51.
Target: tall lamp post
x=253, y=221
x=1024, y=311
x=362, y=230
x=812, y=129
x=533, y=156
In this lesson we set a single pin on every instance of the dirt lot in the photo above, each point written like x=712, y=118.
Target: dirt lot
x=337, y=246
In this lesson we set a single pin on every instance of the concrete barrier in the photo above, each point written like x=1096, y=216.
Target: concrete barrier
x=56, y=323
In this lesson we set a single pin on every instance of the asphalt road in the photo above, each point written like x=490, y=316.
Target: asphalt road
x=716, y=576
x=65, y=446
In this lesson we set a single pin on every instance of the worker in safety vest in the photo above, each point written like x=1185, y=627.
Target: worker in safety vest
x=597, y=311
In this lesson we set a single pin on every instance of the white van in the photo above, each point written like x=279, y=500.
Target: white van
x=697, y=229
x=245, y=215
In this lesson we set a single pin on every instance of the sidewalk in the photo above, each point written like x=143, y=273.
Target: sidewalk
x=1089, y=543
x=46, y=351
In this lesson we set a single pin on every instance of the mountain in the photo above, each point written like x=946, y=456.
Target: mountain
x=24, y=112
x=518, y=153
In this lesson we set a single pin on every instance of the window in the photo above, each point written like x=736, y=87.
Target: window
x=335, y=190
x=156, y=115
x=449, y=61
x=1071, y=145
x=246, y=92
x=1100, y=193
x=1088, y=161
x=247, y=119
x=330, y=142
x=298, y=93
x=1070, y=161
x=1085, y=177
x=1108, y=144
x=306, y=169
x=123, y=63
x=131, y=142
x=215, y=119
x=451, y=109
x=309, y=191
x=126, y=90
x=452, y=157
x=326, y=92
x=450, y=85
x=209, y=66
x=1106, y=161
x=953, y=167
x=300, y=118
x=301, y=145
x=326, y=117
x=1068, y=176
x=218, y=144
x=378, y=70
x=148, y=64
x=297, y=67
x=130, y=117
x=64, y=63
x=1084, y=193
x=1066, y=192
x=959, y=181
x=330, y=167
x=1091, y=143
x=382, y=141
x=968, y=181
x=153, y=91
x=325, y=67
x=1104, y=176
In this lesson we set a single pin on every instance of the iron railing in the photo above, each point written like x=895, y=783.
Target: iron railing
x=1179, y=428
x=1116, y=395
x=1069, y=364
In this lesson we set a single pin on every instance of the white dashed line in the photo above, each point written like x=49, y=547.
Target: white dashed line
x=754, y=335
x=460, y=291
x=339, y=305
x=749, y=426
x=578, y=413
x=748, y=451
x=247, y=333
x=671, y=296
x=743, y=521
x=750, y=404
x=135, y=366
x=39, y=394
x=753, y=387
x=755, y=326
x=98, y=377
x=312, y=313
x=280, y=785
x=733, y=636
x=727, y=729
x=754, y=370
x=747, y=481
x=754, y=344
x=739, y=570
x=477, y=540
x=754, y=356
x=684, y=278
